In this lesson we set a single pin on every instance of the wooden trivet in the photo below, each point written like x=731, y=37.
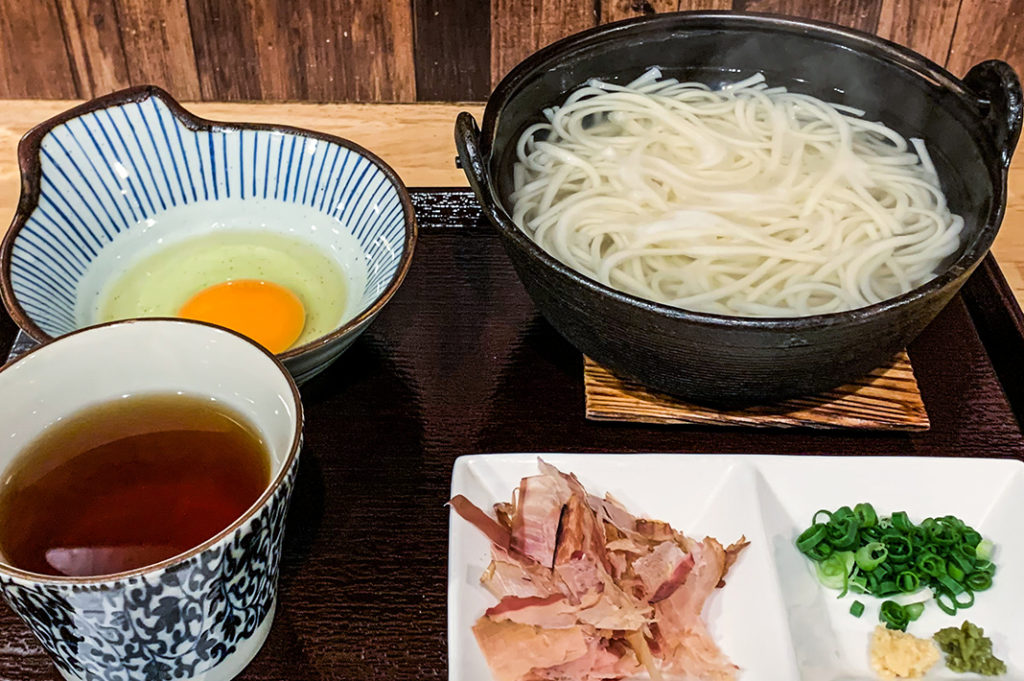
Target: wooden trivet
x=888, y=398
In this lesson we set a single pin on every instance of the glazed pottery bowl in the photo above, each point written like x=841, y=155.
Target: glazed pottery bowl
x=215, y=602
x=120, y=177
x=971, y=127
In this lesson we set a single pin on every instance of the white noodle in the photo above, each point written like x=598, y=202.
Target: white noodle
x=747, y=201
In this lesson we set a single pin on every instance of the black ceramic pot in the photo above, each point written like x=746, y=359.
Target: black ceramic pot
x=971, y=128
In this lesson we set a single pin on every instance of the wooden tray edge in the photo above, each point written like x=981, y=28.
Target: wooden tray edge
x=998, y=318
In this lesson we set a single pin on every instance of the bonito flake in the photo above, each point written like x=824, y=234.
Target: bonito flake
x=588, y=592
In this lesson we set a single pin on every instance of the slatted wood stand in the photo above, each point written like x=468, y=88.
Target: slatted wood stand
x=888, y=398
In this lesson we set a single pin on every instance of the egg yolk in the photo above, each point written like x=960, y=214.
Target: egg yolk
x=268, y=313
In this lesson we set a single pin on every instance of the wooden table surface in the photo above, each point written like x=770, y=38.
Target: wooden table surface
x=416, y=139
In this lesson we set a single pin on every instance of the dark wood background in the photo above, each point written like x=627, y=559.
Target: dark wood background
x=394, y=50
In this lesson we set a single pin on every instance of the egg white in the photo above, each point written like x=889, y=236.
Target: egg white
x=160, y=264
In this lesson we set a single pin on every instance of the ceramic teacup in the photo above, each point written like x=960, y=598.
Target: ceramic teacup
x=202, y=614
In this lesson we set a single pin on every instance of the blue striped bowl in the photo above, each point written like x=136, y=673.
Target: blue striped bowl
x=98, y=178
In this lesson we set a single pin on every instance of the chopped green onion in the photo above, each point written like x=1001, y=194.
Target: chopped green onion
x=930, y=564
x=858, y=584
x=899, y=547
x=946, y=602
x=887, y=587
x=871, y=556
x=913, y=610
x=908, y=582
x=978, y=581
x=942, y=533
x=963, y=556
x=827, y=517
x=811, y=537
x=857, y=608
x=964, y=602
x=834, y=570
x=893, y=615
x=949, y=584
x=855, y=549
x=866, y=515
x=842, y=530
x=819, y=552
x=901, y=521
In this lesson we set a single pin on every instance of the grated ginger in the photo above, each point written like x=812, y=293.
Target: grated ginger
x=899, y=655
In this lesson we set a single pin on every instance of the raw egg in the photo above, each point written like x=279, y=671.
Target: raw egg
x=279, y=290
x=268, y=313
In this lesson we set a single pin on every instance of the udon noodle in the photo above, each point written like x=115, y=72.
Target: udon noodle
x=747, y=200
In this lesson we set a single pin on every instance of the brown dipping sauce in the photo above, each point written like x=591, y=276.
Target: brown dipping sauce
x=129, y=483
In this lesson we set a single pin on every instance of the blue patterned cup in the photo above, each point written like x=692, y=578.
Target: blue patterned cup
x=120, y=177
x=201, y=615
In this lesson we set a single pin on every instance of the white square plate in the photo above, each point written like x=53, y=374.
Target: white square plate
x=773, y=619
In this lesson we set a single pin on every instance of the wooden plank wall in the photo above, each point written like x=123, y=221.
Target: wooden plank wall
x=394, y=50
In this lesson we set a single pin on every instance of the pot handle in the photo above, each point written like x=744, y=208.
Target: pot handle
x=472, y=162
x=997, y=88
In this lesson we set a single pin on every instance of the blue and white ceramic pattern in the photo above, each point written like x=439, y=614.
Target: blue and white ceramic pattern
x=108, y=179
x=200, y=616
x=212, y=610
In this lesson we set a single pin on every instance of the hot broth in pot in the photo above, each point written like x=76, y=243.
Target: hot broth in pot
x=127, y=484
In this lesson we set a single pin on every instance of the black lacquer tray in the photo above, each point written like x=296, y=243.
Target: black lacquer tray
x=460, y=362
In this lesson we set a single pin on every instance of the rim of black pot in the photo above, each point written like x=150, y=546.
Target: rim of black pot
x=894, y=53
x=31, y=179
